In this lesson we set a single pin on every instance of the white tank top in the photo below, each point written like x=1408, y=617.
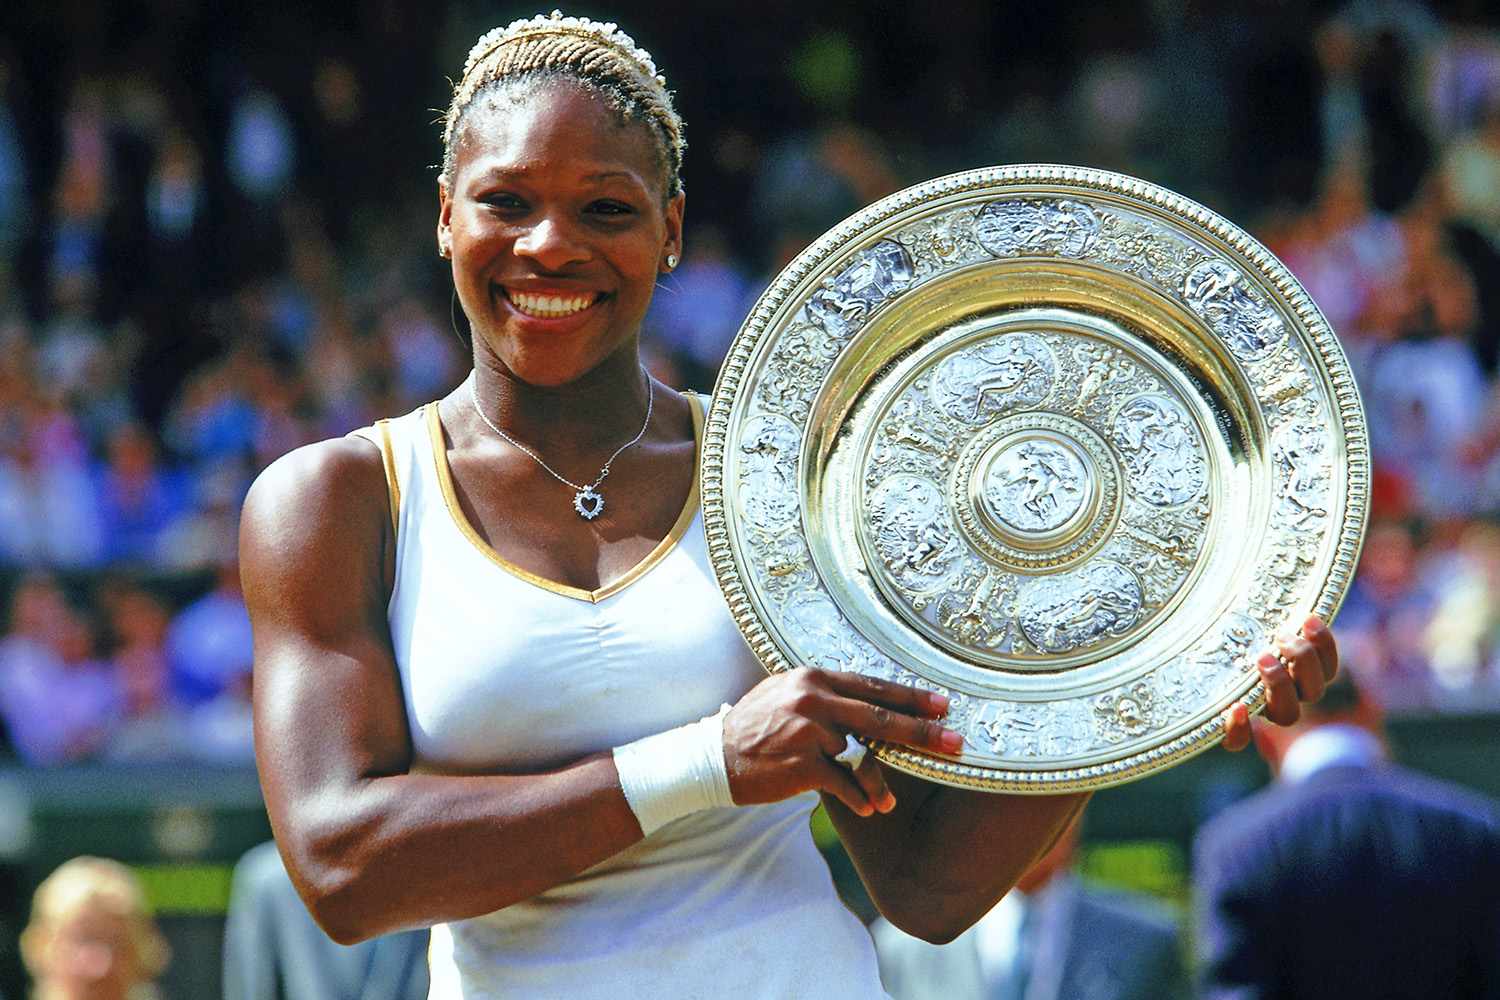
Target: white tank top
x=502, y=670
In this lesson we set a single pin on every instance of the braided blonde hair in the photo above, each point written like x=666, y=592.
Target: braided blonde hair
x=595, y=54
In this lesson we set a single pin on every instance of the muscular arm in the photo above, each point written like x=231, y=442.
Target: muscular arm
x=371, y=847
x=943, y=857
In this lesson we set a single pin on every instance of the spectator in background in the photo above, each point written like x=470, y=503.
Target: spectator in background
x=1049, y=938
x=1425, y=386
x=274, y=951
x=261, y=155
x=213, y=418
x=176, y=215
x=139, y=499
x=92, y=936
x=49, y=515
x=1461, y=634
x=1349, y=877
x=209, y=655
x=700, y=308
x=72, y=342
x=1386, y=611
x=151, y=727
x=208, y=643
x=76, y=236
x=423, y=355
x=1344, y=252
x=208, y=534
x=59, y=701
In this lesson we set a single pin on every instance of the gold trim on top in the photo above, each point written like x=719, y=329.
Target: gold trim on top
x=379, y=435
x=392, y=484
x=640, y=569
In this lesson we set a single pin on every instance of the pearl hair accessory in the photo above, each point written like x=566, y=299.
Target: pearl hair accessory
x=604, y=32
x=596, y=53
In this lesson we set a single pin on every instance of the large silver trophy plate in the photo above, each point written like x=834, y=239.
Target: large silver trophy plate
x=1057, y=442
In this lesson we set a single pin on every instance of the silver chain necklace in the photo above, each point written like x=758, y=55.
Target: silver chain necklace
x=586, y=500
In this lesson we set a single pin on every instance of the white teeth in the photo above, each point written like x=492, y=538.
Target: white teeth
x=549, y=306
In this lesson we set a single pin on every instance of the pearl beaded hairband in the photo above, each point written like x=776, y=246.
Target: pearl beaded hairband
x=605, y=32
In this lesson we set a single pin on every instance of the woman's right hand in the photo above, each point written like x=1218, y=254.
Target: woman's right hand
x=781, y=738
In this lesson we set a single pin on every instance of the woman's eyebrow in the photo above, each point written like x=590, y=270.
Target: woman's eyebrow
x=607, y=175
x=521, y=170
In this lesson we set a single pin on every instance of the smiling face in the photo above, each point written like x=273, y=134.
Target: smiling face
x=558, y=226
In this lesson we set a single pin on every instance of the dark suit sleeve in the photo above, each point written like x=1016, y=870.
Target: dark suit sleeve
x=1234, y=954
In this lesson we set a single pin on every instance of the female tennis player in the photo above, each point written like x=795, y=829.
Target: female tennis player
x=490, y=654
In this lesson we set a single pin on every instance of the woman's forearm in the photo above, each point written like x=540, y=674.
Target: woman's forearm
x=388, y=852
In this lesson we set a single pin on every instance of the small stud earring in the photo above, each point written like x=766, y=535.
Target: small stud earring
x=444, y=251
x=671, y=261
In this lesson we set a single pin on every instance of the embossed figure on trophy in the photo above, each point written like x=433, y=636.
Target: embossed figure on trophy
x=1167, y=551
x=768, y=454
x=905, y=431
x=1127, y=713
x=1100, y=367
x=1084, y=618
x=1041, y=479
x=1220, y=294
x=981, y=381
x=1096, y=612
x=1063, y=613
x=977, y=615
x=913, y=534
x=1000, y=377
x=922, y=547
x=849, y=307
x=1162, y=450
x=825, y=637
x=1062, y=227
x=1301, y=468
x=875, y=275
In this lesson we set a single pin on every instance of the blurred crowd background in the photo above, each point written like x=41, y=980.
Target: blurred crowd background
x=216, y=244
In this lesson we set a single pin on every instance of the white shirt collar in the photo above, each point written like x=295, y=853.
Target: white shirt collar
x=1010, y=926
x=997, y=935
x=1330, y=745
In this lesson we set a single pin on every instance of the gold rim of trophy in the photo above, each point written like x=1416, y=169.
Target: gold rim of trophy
x=1055, y=441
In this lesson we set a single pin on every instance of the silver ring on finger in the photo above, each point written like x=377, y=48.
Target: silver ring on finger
x=853, y=753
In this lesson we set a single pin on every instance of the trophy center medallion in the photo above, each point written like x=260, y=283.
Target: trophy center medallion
x=1035, y=487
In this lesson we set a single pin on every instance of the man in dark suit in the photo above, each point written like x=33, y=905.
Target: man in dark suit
x=1050, y=938
x=1348, y=877
x=274, y=951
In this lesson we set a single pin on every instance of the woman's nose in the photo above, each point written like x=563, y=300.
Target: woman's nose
x=552, y=244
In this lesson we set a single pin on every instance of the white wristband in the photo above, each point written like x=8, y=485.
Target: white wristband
x=669, y=775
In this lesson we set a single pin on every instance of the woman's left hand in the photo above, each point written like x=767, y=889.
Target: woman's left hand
x=1295, y=669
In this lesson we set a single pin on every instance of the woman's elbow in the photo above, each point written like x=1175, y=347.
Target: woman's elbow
x=338, y=910
x=929, y=928
x=927, y=917
x=334, y=885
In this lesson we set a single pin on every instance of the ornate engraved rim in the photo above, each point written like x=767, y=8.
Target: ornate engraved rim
x=859, y=230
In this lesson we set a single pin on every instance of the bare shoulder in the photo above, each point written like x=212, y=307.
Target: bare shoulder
x=338, y=473
x=314, y=516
